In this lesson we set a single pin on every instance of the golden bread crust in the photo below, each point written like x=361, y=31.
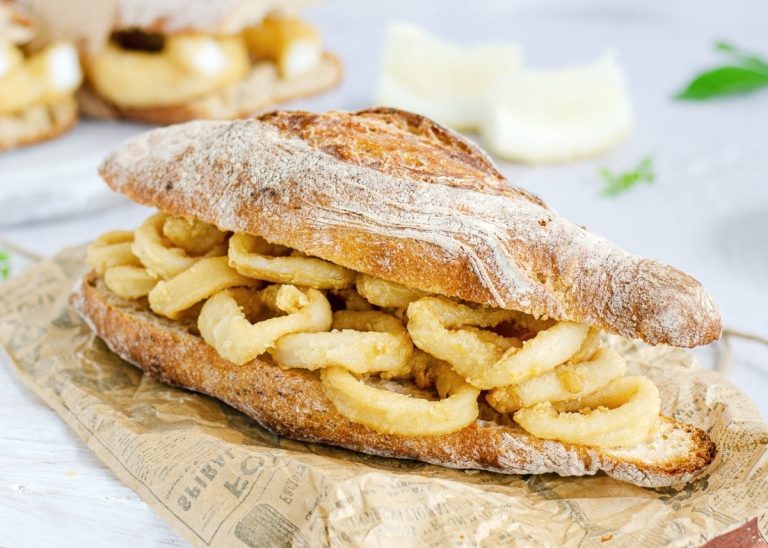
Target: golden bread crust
x=292, y=403
x=396, y=196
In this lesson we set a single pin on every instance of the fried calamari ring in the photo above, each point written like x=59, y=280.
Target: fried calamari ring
x=130, y=282
x=588, y=348
x=158, y=255
x=480, y=360
x=392, y=413
x=170, y=298
x=622, y=414
x=225, y=327
x=570, y=381
x=361, y=342
x=386, y=294
x=188, y=67
x=111, y=249
x=428, y=322
x=351, y=299
x=499, y=341
x=195, y=237
x=544, y=352
x=254, y=257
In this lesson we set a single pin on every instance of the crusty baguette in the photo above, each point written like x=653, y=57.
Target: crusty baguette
x=261, y=88
x=292, y=403
x=38, y=123
x=397, y=196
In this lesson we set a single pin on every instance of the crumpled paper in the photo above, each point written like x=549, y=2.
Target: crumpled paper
x=220, y=479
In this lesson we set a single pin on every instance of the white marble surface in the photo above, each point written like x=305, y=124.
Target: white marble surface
x=707, y=213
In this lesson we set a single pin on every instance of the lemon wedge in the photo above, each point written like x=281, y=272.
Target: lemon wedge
x=559, y=116
x=442, y=81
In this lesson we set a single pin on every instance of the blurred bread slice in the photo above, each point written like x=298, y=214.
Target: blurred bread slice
x=37, y=123
x=260, y=89
x=440, y=80
x=558, y=116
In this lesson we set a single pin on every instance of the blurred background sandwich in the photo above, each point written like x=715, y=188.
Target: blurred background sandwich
x=38, y=80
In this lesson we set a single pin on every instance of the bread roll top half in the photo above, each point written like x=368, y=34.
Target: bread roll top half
x=397, y=196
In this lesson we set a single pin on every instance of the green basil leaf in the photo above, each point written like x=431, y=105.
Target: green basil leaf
x=724, y=81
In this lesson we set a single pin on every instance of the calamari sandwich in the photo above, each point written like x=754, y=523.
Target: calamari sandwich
x=37, y=81
x=370, y=280
x=171, y=61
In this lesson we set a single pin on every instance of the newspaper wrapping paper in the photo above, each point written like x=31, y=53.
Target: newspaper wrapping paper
x=220, y=479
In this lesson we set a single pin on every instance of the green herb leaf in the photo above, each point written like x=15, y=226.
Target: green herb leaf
x=621, y=182
x=724, y=81
x=747, y=60
x=748, y=73
x=5, y=265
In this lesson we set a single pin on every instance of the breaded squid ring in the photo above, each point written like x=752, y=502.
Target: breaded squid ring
x=588, y=348
x=386, y=294
x=622, y=414
x=159, y=256
x=428, y=322
x=361, y=342
x=392, y=413
x=225, y=327
x=482, y=362
x=189, y=66
x=570, y=381
x=254, y=257
x=130, y=282
x=193, y=236
x=111, y=249
x=352, y=299
x=170, y=298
